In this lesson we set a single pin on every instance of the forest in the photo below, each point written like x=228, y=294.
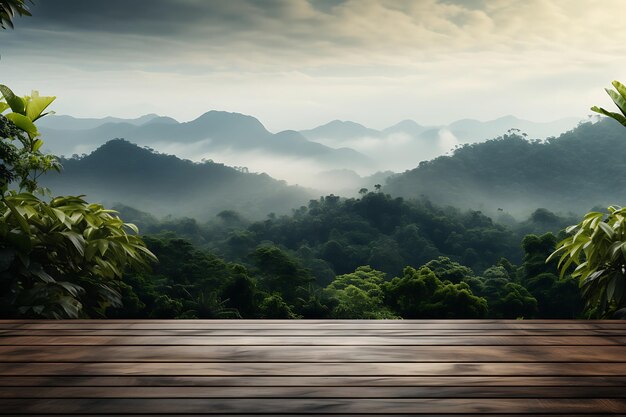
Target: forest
x=385, y=254
x=492, y=230
x=368, y=257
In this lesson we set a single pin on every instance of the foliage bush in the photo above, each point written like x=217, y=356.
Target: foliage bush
x=66, y=261
x=597, y=244
x=62, y=257
x=597, y=247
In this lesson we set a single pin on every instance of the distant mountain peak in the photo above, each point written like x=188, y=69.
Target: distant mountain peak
x=508, y=118
x=341, y=129
x=120, y=145
x=405, y=126
x=223, y=119
x=337, y=122
x=161, y=120
x=407, y=122
x=213, y=114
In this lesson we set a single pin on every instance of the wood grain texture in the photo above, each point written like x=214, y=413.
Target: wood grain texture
x=309, y=340
x=318, y=354
x=316, y=367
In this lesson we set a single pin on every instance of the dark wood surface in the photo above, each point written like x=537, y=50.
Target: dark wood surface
x=314, y=367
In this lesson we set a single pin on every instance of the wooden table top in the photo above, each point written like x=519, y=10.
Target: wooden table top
x=313, y=367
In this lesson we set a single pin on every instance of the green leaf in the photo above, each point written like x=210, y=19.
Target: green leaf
x=16, y=103
x=37, y=143
x=73, y=289
x=20, y=219
x=4, y=106
x=60, y=215
x=619, y=290
x=619, y=101
x=619, y=117
x=606, y=229
x=90, y=251
x=610, y=289
x=132, y=227
x=23, y=123
x=36, y=105
x=103, y=245
x=77, y=240
x=620, y=88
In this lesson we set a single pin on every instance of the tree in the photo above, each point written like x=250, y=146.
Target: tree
x=506, y=299
x=418, y=293
x=556, y=298
x=359, y=295
x=280, y=273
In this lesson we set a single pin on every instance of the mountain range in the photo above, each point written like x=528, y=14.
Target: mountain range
x=214, y=135
x=572, y=173
x=405, y=144
x=298, y=157
x=509, y=175
x=120, y=172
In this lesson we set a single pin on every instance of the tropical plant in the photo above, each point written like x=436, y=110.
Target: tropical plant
x=11, y=8
x=20, y=145
x=619, y=98
x=62, y=258
x=597, y=247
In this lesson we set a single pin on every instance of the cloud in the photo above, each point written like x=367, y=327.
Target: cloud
x=297, y=63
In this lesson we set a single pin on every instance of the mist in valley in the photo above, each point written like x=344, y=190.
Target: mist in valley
x=306, y=159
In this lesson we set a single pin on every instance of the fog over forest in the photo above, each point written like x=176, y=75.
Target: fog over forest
x=338, y=157
x=318, y=159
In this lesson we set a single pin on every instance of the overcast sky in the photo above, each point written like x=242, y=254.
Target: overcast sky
x=295, y=64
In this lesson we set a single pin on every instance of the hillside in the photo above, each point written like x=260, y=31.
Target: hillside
x=233, y=138
x=122, y=172
x=578, y=170
x=407, y=143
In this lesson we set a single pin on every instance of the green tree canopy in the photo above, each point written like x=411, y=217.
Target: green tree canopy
x=418, y=293
x=359, y=294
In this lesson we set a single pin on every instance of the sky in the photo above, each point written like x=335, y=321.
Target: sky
x=296, y=64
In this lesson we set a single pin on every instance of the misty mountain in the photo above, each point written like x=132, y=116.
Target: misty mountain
x=410, y=127
x=407, y=143
x=72, y=123
x=470, y=130
x=232, y=138
x=339, y=130
x=120, y=172
x=578, y=170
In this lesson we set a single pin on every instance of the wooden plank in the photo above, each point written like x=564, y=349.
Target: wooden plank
x=318, y=354
x=322, y=367
x=597, y=382
x=313, y=392
x=310, y=321
x=299, y=324
x=313, y=369
x=307, y=414
x=328, y=406
x=315, y=332
x=56, y=340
